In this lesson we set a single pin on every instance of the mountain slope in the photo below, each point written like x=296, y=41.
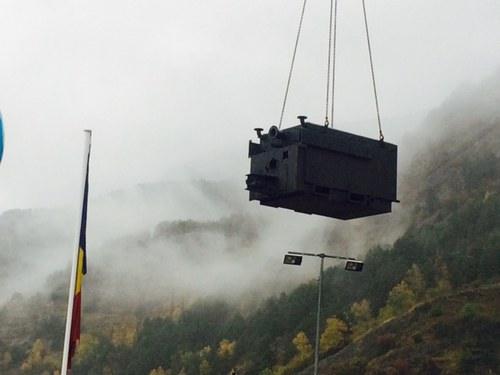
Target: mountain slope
x=453, y=334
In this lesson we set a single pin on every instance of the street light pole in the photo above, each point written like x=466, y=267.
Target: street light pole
x=295, y=258
x=318, y=315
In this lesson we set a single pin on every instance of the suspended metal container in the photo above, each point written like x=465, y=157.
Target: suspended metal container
x=318, y=170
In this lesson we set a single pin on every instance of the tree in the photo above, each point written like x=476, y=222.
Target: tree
x=38, y=361
x=226, y=348
x=125, y=333
x=442, y=278
x=225, y=356
x=333, y=336
x=416, y=281
x=205, y=357
x=158, y=371
x=6, y=359
x=302, y=345
x=157, y=341
x=190, y=363
x=93, y=355
x=361, y=311
x=304, y=349
x=88, y=349
x=205, y=368
x=401, y=299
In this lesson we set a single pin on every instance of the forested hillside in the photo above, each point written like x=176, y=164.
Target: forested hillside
x=425, y=304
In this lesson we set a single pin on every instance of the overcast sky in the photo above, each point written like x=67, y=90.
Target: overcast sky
x=172, y=89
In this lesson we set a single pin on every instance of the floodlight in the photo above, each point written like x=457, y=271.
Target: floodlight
x=354, y=265
x=295, y=260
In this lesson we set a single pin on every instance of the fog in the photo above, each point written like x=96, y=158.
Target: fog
x=138, y=250
x=173, y=241
x=172, y=92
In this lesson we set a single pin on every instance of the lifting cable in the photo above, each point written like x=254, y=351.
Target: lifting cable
x=381, y=135
x=293, y=62
x=332, y=44
x=331, y=60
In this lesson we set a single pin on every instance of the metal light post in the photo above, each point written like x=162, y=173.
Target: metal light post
x=295, y=258
x=318, y=314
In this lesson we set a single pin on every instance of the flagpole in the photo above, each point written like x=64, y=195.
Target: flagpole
x=71, y=294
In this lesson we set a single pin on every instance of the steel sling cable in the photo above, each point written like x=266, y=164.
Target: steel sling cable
x=331, y=60
x=293, y=62
x=381, y=135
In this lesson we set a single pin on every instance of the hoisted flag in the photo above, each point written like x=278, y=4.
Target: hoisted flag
x=79, y=268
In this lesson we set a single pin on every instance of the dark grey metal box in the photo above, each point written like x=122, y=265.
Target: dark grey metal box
x=318, y=170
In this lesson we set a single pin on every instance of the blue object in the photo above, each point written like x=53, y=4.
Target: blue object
x=1, y=137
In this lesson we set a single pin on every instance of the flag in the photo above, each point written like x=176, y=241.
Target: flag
x=81, y=269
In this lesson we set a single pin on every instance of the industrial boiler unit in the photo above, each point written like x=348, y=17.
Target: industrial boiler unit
x=318, y=170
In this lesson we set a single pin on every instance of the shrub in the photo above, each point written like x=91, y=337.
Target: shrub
x=429, y=367
x=386, y=342
x=417, y=337
x=444, y=330
x=436, y=311
x=401, y=365
x=356, y=366
x=469, y=312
